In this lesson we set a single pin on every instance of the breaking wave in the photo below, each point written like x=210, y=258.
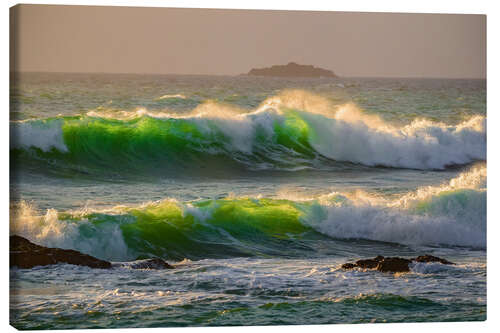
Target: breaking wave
x=287, y=132
x=451, y=214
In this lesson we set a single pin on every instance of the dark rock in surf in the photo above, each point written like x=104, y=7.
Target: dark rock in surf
x=349, y=265
x=25, y=254
x=369, y=263
x=393, y=264
x=154, y=263
x=429, y=258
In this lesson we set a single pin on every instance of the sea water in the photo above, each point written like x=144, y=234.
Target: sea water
x=257, y=190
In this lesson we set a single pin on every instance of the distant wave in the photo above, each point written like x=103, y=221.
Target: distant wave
x=450, y=214
x=288, y=131
x=172, y=96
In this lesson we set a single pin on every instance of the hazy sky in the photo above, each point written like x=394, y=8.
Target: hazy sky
x=208, y=41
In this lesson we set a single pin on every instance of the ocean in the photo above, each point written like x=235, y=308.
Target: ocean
x=256, y=189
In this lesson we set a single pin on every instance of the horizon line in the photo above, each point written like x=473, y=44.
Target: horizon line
x=245, y=74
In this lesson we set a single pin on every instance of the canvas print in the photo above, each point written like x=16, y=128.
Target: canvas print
x=214, y=167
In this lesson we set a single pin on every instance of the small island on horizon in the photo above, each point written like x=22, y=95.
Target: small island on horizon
x=292, y=69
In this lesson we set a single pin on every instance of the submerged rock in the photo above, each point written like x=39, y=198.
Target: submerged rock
x=154, y=263
x=25, y=254
x=393, y=264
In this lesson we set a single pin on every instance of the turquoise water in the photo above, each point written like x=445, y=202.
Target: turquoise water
x=257, y=189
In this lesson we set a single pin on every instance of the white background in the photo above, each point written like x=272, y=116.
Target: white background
x=417, y=6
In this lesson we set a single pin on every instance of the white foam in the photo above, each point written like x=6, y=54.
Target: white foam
x=420, y=145
x=353, y=221
x=346, y=133
x=431, y=267
x=448, y=214
x=170, y=96
x=106, y=240
x=46, y=135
